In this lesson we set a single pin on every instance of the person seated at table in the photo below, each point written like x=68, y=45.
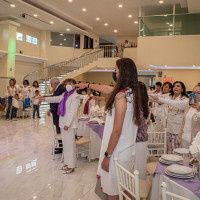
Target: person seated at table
x=191, y=117
x=67, y=110
x=88, y=102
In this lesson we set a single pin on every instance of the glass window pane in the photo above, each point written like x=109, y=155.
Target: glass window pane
x=35, y=41
x=28, y=39
x=20, y=36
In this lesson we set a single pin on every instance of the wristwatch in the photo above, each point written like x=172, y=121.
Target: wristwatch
x=107, y=155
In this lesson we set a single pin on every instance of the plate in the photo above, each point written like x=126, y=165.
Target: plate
x=178, y=169
x=93, y=122
x=179, y=176
x=169, y=162
x=172, y=157
x=181, y=151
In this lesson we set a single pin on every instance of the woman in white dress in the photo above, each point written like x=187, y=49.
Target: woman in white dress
x=121, y=124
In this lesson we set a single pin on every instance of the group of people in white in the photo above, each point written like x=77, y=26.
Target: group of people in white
x=126, y=123
x=22, y=95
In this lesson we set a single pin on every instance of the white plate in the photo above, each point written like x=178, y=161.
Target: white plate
x=178, y=169
x=169, y=162
x=93, y=122
x=172, y=157
x=179, y=176
x=181, y=151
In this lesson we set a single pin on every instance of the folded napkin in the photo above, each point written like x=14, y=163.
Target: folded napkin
x=96, y=119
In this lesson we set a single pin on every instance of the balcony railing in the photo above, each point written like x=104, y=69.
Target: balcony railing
x=167, y=25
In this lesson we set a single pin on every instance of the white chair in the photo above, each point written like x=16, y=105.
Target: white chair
x=83, y=145
x=156, y=147
x=157, y=143
x=171, y=195
x=55, y=138
x=129, y=185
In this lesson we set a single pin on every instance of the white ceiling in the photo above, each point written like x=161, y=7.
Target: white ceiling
x=70, y=15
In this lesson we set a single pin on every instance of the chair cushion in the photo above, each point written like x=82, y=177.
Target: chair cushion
x=145, y=187
x=151, y=167
x=82, y=141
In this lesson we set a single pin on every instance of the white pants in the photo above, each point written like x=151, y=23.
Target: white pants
x=141, y=159
x=69, y=146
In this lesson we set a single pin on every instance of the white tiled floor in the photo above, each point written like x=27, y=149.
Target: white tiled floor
x=27, y=170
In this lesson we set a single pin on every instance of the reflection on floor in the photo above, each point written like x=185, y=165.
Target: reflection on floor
x=28, y=171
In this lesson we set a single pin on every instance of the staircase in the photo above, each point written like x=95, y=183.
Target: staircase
x=71, y=68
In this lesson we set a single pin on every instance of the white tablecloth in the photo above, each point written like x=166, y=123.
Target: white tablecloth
x=87, y=132
x=171, y=187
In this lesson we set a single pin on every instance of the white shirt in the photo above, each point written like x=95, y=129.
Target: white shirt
x=35, y=101
x=71, y=109
x=91, y=103
x=33, y=89
x=175, y=113
x=186, y=137
x=15, y=103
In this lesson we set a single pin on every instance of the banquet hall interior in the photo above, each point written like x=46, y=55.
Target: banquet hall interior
x=46, y=43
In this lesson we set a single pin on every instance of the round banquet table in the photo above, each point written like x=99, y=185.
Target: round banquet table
x=94, y=132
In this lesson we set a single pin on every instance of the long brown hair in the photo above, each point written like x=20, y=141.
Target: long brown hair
x=127, y=79
x=144, y=99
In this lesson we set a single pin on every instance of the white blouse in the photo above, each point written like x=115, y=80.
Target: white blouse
x=174, y=114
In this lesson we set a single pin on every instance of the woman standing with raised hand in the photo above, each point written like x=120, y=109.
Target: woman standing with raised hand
x=122, y=121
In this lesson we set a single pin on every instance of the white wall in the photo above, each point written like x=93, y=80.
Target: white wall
x=131, y=53
x=24, y=68
x=28, y=48
x=189, y=77
x=168, y=50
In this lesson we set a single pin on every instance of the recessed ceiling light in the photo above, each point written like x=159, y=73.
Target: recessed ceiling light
x=65, y=39
x=35, y=15
x=97, y=18
x=61, y=34
x=136, y=22
x=171, y=25
x=70, y=1
x=106, y=24
x=51, y=22
x=130, y=16
x=167, y=23
x=61, y=44
x=50, y=40
x=161, y=2
x=12, y=5
x=84, y=9
x=67, y=29
x=120, y=5
x=115, y=30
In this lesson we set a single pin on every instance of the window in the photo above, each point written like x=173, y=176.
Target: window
x=32, y=40
x=88, y=42
x=64, y=40
x=35, y=41
x=28, y=39
x=20, y=36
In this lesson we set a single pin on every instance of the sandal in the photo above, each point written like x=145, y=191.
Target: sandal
x=68, y=171
x=64, y=167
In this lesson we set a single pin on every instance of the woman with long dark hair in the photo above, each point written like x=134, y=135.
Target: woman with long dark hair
x=142, y=136
x=121, y=126
x=12, y=91
x=175, y=115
